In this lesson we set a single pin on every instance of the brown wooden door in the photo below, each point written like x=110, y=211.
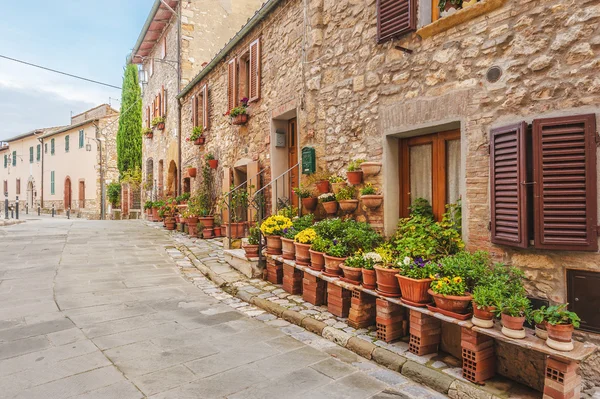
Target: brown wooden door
x=293, y=159
x=82, y=194
x=67, y=193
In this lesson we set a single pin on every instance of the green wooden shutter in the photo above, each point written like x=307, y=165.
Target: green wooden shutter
x=31, y=154
x=14, y=160
x=39, y=152
x=81, y=139
x=52, y=147
x=52, y=182
x=5, y=160
x=67, y=143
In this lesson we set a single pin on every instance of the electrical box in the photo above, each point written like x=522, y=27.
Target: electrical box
x=280, y=139
x=309, y=161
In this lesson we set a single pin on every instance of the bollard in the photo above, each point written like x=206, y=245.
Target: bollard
x=52, y=210
x=17, y=207
x=27, y=209
x=12, y=212
x=39, y=210
x=69, y=213
x=6, y=205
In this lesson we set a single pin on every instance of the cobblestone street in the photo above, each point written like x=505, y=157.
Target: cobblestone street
x=114, y=310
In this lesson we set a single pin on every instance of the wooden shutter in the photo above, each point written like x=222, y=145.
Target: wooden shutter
x=204, y=107
x=231, y=84
x=564, y=170
x=508, y=192
x=194, y=112
x=395, y=18
x=583, y=298
x=164, y=102
x=255, y=63
x=148, y=116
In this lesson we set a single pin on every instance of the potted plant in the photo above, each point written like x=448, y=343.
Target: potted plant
x=308, y=200
x=169, y=209
x=486, y=297
x=156, y=205
x=251, y=248
x=345, y=199
x=317, y=253
x=560, y=324
x=329, y=203
x=212, y=162
x=148, y=132
x=192, y=172
x=515, y=309
x=239, y=114
x=183, y=198
x=369, y=278
x=287, y=243
x=354, y=173
x=450, y=294
x=217, y=226
x=148, y=209
x=352, y=268
x=196, y=137
x=370, y=168
x=303, y=241
x=414, y=277
x=191, y=219
x=321, y=181
x=337, y=183
x=272, y=228
x=387, y=283
x=369, y=197
x=159, y=123
x=334, y=256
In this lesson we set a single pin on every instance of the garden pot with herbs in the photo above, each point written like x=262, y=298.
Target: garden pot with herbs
x=212, y=162
x=307, y=198
x=303, y=241
x=352, y=269
x=272, y=228
x=251, y=248
x=370, y=197
x=196, y=137
x=239, y=114
x=159, y=123
x=414, y=277
x=335, y=255
x=337, y=183
x=345, y=199
x=560, y=324
x=317, y=253
x=485, y=301
x=354, y=173
x=515, y=309
x=329, y=203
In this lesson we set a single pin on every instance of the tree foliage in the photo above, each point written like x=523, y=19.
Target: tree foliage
x=129, y=136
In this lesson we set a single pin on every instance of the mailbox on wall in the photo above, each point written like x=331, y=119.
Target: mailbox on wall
x=309, y=163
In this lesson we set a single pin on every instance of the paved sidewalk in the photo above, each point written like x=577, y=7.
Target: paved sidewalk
x=111, y=309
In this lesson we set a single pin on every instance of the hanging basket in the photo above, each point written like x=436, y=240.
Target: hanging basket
x=239, y=119
x=200, y=140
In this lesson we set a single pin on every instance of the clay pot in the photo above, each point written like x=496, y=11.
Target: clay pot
x=370, y=168
x=336, y=187
x=513, y=323
x=207, y=232
x=354, y=177
x=251, y=251
x=302, y=254
x=414, y=291
x=213, y=163
x=322, y=186
x=451, y=303
x=485, y=313
x=560, y=332
x=274, y=245
x=541, y=331
x=160, y=126
x=317, y=260
x=200, y=140
x=372, y=201
x=352, y=275
x=288, y=248
x=237, y=230
x=217, y=230
x=310, y=204
x=348, y=206
x=332, y=265
x=149, y=135
x=155, y=217
x=387, y=283
x=330, y=207
x=207, y=221
x=239, y=119
x=369, y=279
x=192, y=172
x=170, y=223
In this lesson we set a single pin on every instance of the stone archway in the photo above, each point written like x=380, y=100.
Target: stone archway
x=172, y=180
x=68, y=193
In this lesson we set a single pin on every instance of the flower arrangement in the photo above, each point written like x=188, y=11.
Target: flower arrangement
x=240, y=109
x=345, y=193
x=306, y=236
x=336, y=179
x=196, y=133
x=448, y=286
x=417, y=268
x=327, y=197
x=274, y=225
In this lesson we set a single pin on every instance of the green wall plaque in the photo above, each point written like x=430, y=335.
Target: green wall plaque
x=309, y=162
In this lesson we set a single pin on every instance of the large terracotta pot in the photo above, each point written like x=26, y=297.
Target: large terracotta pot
x=322, y=186
x=288, y=248
x=336, y=187
x=170, y=223
x=239, y=119
x=485, y=313
x=200, y=140
x=310, y=204
x=274, y=245
x=352, y=275
x=348, y=205
x=414, y=292
x=302, y=254
x=317, y=260
x=371, y=168
x=155, y=217
x=192, y=172
x=355, y=177
x=217, y=230
x=332, y=265
x=236, y=230
x=207, y=233
x=372, y=201
x=330, y=207
x=251, y=251
x=513, y=323
x=207, y=221
x=452, y=303
x=560, y=332
x=369, y=279
x=192, y=223
x=387, y=283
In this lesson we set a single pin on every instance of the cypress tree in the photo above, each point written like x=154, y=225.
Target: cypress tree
x=129, y=135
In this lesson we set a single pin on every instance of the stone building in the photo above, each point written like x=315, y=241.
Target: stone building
x=64, y=167
x=495, y=104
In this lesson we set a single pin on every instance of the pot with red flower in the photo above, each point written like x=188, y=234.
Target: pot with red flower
x=329, y=203
x=560, y=324
x=159, y=123
x=239, y=114
x=354, y=173
x=414, y=277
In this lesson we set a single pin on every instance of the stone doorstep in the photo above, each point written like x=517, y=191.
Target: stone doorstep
x=236, y=258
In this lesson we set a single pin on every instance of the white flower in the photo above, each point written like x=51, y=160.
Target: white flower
x=406, y=261
x=374, y=256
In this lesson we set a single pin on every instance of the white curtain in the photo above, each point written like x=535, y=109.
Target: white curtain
x=453, y=170
x=421, y=182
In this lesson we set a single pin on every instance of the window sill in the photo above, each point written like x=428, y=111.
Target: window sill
x=459, y=17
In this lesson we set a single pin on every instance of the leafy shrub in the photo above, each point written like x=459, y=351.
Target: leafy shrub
x=321, y=244
x=368, y=189
x=449, y=286
x=488, y=295
x=345, y=193
x=556, y=315
x=516, y=305
x=114, y=194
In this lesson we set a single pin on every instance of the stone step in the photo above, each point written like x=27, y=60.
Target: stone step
x=237, y=259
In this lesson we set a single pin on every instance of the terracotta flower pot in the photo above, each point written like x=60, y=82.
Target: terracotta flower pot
x=207, y=232
x=352, y=275
x=155, y=217
x=414, y=291
x=452, y=303
x=317, y=260
x=238, y=229
x=322, y=186
x=274, y=245
x=355, y=177
x=370, y=168
x=336, y=187
x=369, y=279
x=217, y=230
x=348, y=206
x=200, y=140
x=560, y=332
x=213, y=163
x=149, y=135
x=513, y=323
x=192, y=172
x=207, y=221
x=485, y=313
x=332, y=265
x=331, y=207
x=239, y=119
x=372, y=201
x=160, y=126
x=170, y=223
x=310, y=204
x=302, y=254
x=251, y=251
x=387, y=283
x=288, y=248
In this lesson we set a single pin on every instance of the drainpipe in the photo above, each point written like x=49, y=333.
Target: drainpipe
x=180, y=167
x=41, y=140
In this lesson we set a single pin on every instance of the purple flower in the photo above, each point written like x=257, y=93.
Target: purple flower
x=335, y=241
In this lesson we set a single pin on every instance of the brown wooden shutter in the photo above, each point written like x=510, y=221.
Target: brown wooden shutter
x=204, y=107
x=395, y=18
x=564, y=170
x=508, y=175
x=148, y=117
x=231, y=84
x=194, y=112
x=164, y=101
x=255, y=70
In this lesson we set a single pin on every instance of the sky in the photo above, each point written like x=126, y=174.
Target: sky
x=90, y=38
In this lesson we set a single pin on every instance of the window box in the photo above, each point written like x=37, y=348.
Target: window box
x=240, y=119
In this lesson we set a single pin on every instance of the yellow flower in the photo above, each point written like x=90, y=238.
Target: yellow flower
x=431, y=276
x=439, y=285
x=457, y=279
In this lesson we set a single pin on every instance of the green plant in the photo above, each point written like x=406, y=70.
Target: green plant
x=209, y=157
x=449, y=286
x=556, y=315
x=129, y=137
x=289, y=233
x=303, y=222
x=354, y=165
x=421, y=207
x=157, y=120
x=338, y=249
x=147, y=205
x=360, y=236
x=516, y=305
x=472, y=267
x=336, y=179
x=368, y=189
x=417, y=268
x=306, y=236
x=254, y=236
x=321, y=244
x=355, y=261
x=303, y=192
x=274, y=225
x=318, y=176
x=442, y=4
x=327, y=197
x=488, y=295
x=288, y=211
x=345, y=193
x=330, y=228
x=114, y=193
x=183, y=197
x=196, y=133
x=146, y=130
x=240, y=109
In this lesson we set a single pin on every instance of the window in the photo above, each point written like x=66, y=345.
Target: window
x=39, y=152
x=30, y=154
x=232, y=100
x=52, y=147
x=5, y=160
x=46, y=148
x=14, y=158
x=395, y=18
x=67, y=143
x=18, y=186
x=81, y=138
x=254, y=71
x=543, y=184
x=430, y=169
x=200, y=108
x=52, y=183
x=583, y=298
x=244, y=75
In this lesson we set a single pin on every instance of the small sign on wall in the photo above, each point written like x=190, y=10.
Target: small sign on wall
x=309, y=162
x=280, y=139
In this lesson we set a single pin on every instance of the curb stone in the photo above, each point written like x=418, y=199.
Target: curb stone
x=361, y=347
x=426, y=376
x=388, y=359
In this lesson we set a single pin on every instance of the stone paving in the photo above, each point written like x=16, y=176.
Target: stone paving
x=105, y=309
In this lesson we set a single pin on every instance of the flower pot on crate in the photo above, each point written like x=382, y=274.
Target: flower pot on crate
x=207, y=232
x=287, y=248
x=274, y=245
x=332, y=265
x=560, y=336
x=302, y=254
x=217, y=231
x=451, y=303
x=317, y=260
x=512, y=327
x=239, y=119
x=354, y=177
x=160, y=126
x=370, y=168
x=238, y=230
x=352, y=275
x=369, y=279
x=155, y=217
x=348, y=206
x=200, y=140
x=541, y=331
x=192, y=223
x=483, y=317
x=336, y=187
x=192, y=172
x=322, y=186
x=387, y=283
x=310, y=204
x=330, y=207
x=251, y=251
x=213, y=163
x=170, y=223
x=414, y=291
x=372, y=201
x=207, y=221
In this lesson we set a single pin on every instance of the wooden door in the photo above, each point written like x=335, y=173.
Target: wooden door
x=67, y=193
x=293, y=160
x=82, y=194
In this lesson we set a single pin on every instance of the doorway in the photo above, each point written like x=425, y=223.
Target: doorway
x=81, y=194
x=67, y=197
x=293, y=160
x=30, y=194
